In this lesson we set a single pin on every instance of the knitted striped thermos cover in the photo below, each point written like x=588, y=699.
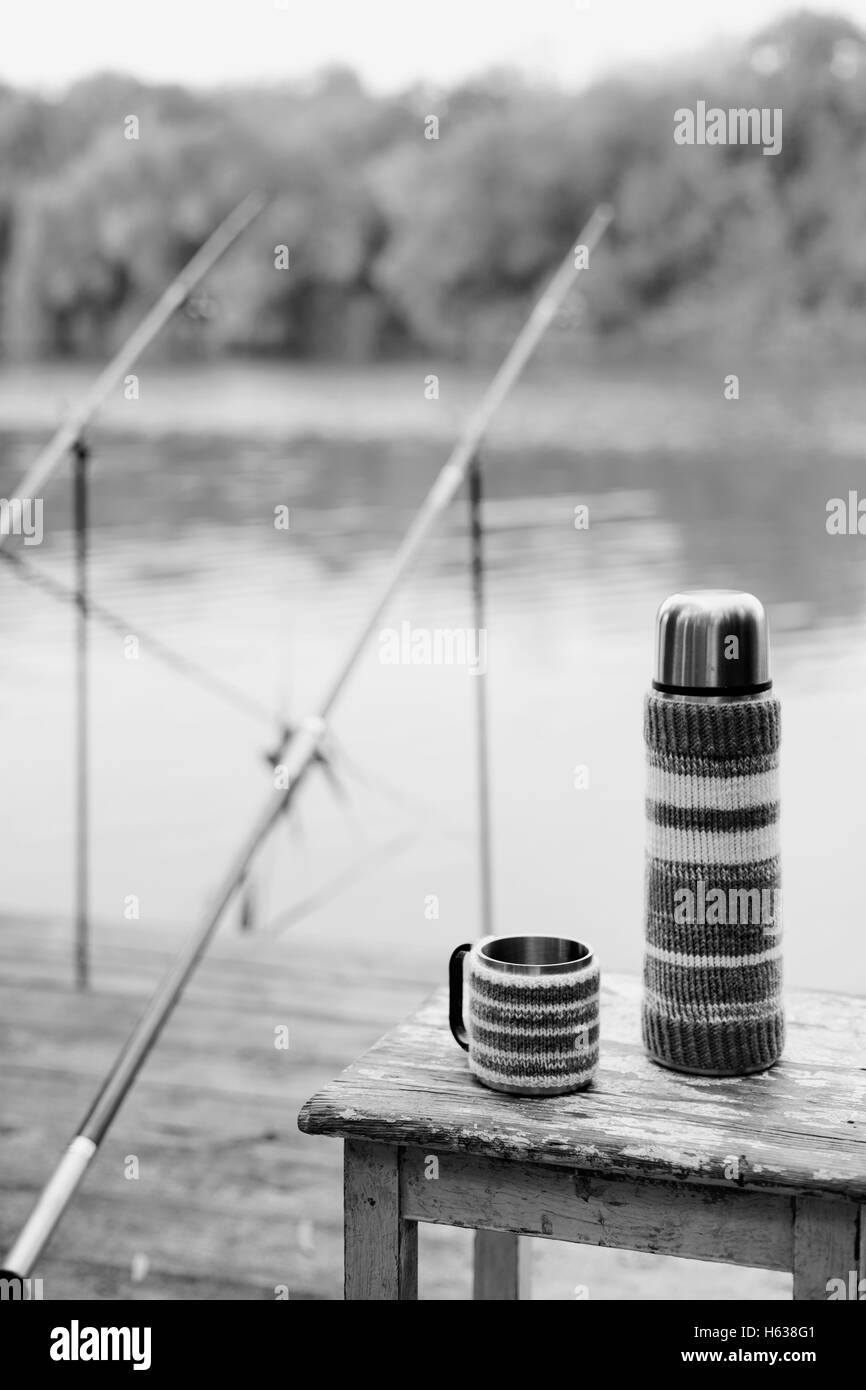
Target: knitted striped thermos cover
x=712, y=970
x=533, y=1034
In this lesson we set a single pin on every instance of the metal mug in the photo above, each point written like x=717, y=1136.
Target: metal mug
x=532, y=1026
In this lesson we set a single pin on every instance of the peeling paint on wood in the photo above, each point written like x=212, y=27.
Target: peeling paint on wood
x=789, y=1129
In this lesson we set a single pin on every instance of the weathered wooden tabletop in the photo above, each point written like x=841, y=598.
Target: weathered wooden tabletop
x=800, y=1127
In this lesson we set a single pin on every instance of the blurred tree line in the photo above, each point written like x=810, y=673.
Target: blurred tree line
x=400, y=242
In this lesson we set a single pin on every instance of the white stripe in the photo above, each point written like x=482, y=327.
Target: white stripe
x=580, y=1053
x=711, y=962
x=507, y=979
x=556, y=1028
x=712, y=793
x=712, y=846
x=575, y=1078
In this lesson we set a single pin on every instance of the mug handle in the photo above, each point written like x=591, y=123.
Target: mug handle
x=455, y=996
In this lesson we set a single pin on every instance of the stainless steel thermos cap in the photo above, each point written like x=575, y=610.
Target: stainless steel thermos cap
x=712, y=642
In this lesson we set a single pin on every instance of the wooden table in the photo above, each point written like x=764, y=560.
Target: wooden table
x=767, y=1171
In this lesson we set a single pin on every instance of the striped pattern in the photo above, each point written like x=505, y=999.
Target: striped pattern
x=712, y=978
x=533, y=1034
x=678, y=789
x=685, y=844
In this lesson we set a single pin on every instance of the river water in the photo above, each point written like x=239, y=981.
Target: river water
x=184, y=549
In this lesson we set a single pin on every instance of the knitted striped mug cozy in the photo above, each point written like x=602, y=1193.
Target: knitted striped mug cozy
x=532, y=1024
x=712, y=971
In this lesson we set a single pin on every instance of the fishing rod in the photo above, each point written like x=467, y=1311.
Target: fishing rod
x=70, y=431
x=178, y=662
x=300, y=754
x=69, y=439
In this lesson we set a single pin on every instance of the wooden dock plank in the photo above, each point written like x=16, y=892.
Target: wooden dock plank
x=230, y=1201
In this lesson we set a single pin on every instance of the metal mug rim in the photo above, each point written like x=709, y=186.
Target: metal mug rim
x=532, y=967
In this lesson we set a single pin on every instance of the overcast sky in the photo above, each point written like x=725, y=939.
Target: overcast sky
x=47, y=43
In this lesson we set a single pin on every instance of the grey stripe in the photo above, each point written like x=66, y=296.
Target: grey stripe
x=745, y=984
x=530, y=1044
x=531, y=1064
x=552, y=996
x=718, y=768
x=665, y=875
x=704, y=731
x=704, y=819
x=504, y=1015
x=710, y=941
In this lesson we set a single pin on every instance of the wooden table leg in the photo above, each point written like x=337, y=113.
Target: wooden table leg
x=829, y=1249
x=501, y=1267
x=381, y=1248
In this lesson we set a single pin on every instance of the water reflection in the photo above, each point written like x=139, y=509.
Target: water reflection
x=184, y=545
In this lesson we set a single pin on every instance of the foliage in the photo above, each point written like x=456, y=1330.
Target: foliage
x=398, y=241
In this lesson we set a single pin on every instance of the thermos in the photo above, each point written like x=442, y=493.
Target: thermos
x=712, y=1000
